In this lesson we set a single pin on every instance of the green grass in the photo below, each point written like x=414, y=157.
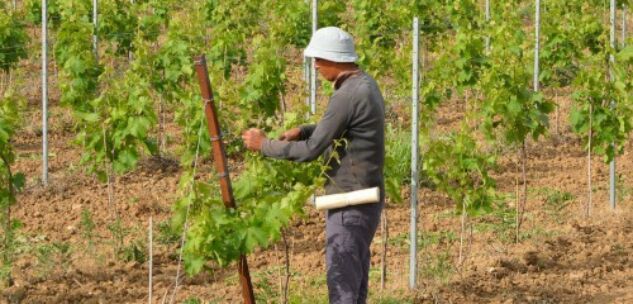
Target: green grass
x=265, y=284
x=436, y=266
x=501, y=221
x=167, y=234
x=309, y=289
x=192, y=300
x=555, y=201
x=52, y=255
x=624, y=190
x=425, y=239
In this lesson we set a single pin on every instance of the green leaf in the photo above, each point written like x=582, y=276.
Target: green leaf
x=18, y=181
x=194, y=265
x=87, y=117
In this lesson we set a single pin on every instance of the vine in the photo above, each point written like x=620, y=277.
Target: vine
x=268, y=193
x=33, y=10
x=456, y=166
x=118, y=24
x=10, y=183
x=231, y=21
x=79, y=70
x=264, y=82
x=13, y=43
x=510, y=107
x=118, y=126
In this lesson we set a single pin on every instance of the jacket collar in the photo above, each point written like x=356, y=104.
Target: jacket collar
x=340, y=79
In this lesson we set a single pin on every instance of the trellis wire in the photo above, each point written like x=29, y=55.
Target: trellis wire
x=186, y=224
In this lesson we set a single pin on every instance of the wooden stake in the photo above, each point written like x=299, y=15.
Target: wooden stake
x=588, y=207
x=461, y=235
x=557, y=113
x=221, y=167
x=385, y=241
x=151, y=262
x=287, y=268
x=516, y=203
x=522, y=207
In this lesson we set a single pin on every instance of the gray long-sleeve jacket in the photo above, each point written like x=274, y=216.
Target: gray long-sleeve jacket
x=356, y=114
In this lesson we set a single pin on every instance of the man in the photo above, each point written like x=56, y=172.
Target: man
x=355, y=113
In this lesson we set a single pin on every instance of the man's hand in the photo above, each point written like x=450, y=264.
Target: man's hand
x=253, y=139
x=291, y=135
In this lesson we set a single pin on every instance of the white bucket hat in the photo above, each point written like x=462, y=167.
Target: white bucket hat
x=332, y=44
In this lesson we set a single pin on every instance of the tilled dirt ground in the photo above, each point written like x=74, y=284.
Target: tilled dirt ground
x=586, y=263
x=563, y=256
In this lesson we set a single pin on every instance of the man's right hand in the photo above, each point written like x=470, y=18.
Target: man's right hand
x=291, y=135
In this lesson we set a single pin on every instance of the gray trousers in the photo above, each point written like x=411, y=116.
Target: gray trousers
x=349, y=232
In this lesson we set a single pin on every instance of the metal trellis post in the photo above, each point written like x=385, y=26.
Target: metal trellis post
x=487, y=22
x=413, y=234
x=44, y=93
x=95, y=22
x=537, y=44
x=612, y=194
x=313, y=76
x=306, y=78
x=624, y=9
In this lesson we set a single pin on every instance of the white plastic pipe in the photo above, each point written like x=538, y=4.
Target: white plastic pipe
x=340, y=200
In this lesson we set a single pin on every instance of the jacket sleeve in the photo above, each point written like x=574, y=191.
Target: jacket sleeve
x=306, y=131
x=331, y=126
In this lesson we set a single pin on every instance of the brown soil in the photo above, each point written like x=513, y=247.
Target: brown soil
x=563, y=257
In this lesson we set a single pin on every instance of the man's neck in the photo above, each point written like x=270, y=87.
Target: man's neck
x=344, y=75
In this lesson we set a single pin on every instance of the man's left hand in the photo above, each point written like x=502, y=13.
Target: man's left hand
x=254, y=139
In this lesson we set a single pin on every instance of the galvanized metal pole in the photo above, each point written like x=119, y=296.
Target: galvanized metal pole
x=44, y=92
x=623, y=26
x=95, y=22
x=413, y=233
x=306, y=78
x=612, y=194
x=130, y=53
x=487, y=21
x=313, y=76
x=537, y=44
x=306, y=72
